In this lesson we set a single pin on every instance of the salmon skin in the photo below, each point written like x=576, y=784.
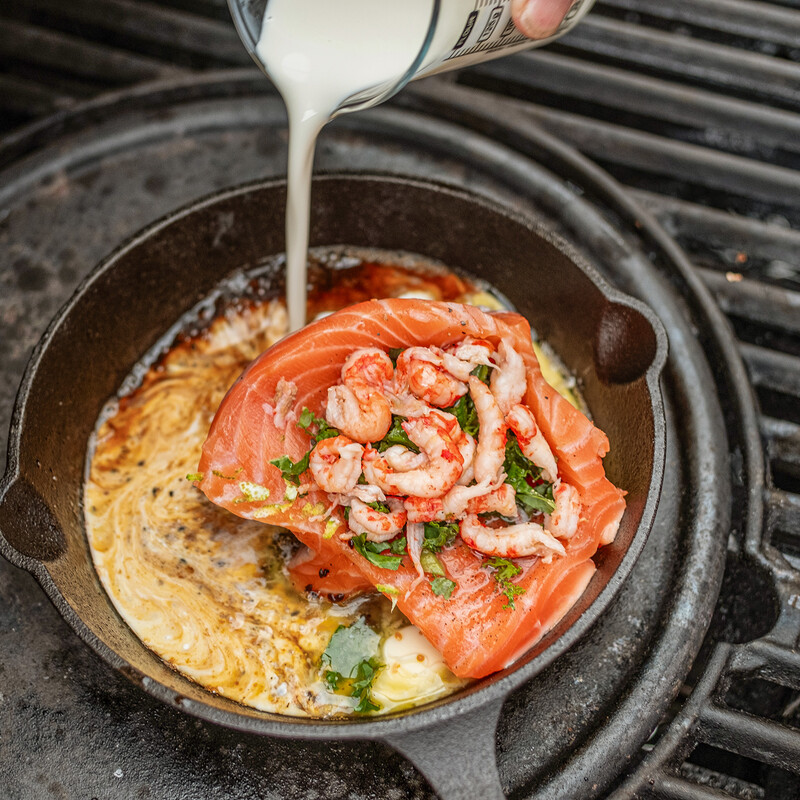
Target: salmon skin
x=476, y=630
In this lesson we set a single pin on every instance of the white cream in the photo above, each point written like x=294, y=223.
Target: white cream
x=320, y=54
x=324, y=56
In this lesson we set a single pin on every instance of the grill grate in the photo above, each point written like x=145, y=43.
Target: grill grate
x=695, y=107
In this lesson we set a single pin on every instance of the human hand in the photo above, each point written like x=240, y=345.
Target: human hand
x=538, y=19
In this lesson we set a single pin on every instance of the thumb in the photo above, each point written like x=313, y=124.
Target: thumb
x=538, y=19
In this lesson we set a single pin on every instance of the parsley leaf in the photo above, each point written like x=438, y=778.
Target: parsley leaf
x=379, y=506
x=395, y=435
x=308, y=420
x=481, y=372
x=431, y=564
x=350, y=656
x=439, y=535
x=362, y=683
x=464, y=411
x=520, y=472
x=376, y=552
x=443, y=587
x=503, y=571
x=348, y=647
x=290, y=470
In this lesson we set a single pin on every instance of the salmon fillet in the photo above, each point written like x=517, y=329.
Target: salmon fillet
x=475, y=630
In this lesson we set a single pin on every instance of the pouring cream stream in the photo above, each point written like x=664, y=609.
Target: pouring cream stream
x=320, y=55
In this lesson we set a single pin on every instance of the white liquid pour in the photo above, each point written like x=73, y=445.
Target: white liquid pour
x=318, y=55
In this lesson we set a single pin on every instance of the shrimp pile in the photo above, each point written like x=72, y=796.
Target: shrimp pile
x=441, y=435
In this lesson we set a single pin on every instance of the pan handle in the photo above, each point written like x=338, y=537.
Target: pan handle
x=457, y=755
x=29, y=531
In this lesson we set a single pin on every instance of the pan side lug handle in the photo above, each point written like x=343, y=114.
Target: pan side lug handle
x=457, y=756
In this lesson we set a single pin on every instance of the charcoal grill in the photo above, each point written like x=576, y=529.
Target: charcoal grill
x=693, y=109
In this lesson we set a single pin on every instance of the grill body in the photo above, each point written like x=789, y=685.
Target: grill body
x=693, y=109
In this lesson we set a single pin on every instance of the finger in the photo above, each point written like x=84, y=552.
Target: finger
x=538, y=19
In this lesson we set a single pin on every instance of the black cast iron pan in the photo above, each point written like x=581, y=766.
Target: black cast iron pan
x=612, y=343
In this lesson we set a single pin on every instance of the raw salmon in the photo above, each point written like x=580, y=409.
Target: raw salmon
x=476, y=630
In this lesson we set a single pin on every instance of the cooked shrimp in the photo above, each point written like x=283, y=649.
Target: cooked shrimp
x=473, y=351
x=336, y=464
x=415, y=536
x=491, y=449
x=442, y=468
x=563, y=522
x=422, y=370
x=512, y=541
x=501, y=500
x=508, y=382
x=358, y=406
x=401, y=459
x=380, y=526
x=531, y=441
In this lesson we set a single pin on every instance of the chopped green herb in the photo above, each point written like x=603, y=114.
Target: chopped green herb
x=464, y=411
x=351, y=659
x=226, y=477
x=396, y=435
x=332, y=680
x=443, y=587
x=378, y=553
x=308, y=420
x=291, y=470
x=439, y=535
x=348, y=646
x=482, y=373
x=392, y=591
x=431, y=564
x=521, y=472
x=394, y=352
x=194, y=476
x=503, y=571
x=379, y=506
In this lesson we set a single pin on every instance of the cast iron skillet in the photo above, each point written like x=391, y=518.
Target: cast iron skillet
x=613, y=344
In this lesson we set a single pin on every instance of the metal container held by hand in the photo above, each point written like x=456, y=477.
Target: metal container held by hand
x=123, y=309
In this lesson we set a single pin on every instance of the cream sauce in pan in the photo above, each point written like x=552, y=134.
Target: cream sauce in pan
x=208, y=591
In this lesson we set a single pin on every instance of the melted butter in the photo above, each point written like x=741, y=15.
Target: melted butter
x=208, y=591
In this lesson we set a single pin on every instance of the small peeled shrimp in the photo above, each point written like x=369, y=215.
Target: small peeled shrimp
x=563, y=522
x=502, y=500
x=508, y=381
x=491, y=450
x=335, y=464
x=380, y=526
x=358, y=406
x=439, y=473
x=531, y=441
x=401, y=459
x=512, y=541
x=423, y=372
x=474, y=351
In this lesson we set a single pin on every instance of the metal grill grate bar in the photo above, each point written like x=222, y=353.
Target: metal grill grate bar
x=43, y=48
x=566, y=79
x=215, y=41
x=783, y=513
x=755, y=301
x=30, y=98
x=750, y=737
x=673, y=787
x=737, y=17
x=691, y=222
x=783, y=447
x=729, y=69
x=616, y=146
x=773, y=370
